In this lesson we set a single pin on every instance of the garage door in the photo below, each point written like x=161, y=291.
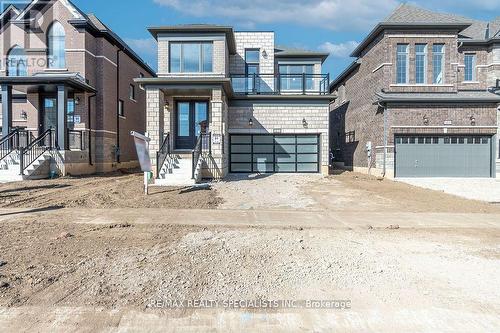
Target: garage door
x=443, y=156
x=274, y=153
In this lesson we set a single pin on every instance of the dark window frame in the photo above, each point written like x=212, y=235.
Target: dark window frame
x=201, y=59
x=121, y=108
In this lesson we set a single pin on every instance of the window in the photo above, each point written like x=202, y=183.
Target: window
x=57, y=46
x=291, y=77
x=195, y=57
x=17, y=62
x=121, y=108
x=132, y=92
x=350, y=137
x=438, y=63
x=252, y=68
x=402, y=64
x=470, y=64
x=420, y=63
x=71, y=113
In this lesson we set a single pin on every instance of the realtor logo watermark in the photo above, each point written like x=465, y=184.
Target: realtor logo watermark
x=25, y=47
x=247, y=304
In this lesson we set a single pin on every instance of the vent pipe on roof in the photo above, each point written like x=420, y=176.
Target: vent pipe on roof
x=487, y=35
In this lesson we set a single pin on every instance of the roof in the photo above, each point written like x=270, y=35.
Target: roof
x=9, y=9
x=355, y=64
x=198, y=29
x=71, y=79
x=407, y=16
x=474, y=96
x=291, y=52
x=80, y=19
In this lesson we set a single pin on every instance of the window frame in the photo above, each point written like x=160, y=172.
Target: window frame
x=121, y=108
x=20, y=58
x=417, y=55
x=287, y=81
x=51, y=51
x=131, y=92
x=472, y=69
x=406, y=55
x=201, y=56
x=442, y=64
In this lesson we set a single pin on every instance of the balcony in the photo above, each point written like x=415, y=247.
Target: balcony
x=281, y=84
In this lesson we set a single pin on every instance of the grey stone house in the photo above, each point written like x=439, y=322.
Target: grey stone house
x=68, y=97
x=421, y=99
x=234, y=102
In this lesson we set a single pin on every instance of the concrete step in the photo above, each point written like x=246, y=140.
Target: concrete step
x=174, y=182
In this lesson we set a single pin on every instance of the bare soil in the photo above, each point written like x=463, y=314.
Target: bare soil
x=115, y=190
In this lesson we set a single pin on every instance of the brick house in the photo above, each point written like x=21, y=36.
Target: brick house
x=421, y=99
x=68, y=97
x=234, y=102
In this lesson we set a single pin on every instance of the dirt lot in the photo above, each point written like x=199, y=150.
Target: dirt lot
x=117, y=190
x=51, y=259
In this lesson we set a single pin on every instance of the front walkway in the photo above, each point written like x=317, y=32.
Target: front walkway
x=483, y=189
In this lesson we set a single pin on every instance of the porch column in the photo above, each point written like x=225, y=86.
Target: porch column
x=62, y=118
x=6, y=109
x=154, y=112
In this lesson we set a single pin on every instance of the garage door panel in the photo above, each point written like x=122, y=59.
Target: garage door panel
x=447, y=156
x=274, y=153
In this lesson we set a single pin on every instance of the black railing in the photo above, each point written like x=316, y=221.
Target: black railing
x=44, y=143
x=9, y=143
x=76, y=139
x=162, y=154
x=281, y=84
x=203, y=146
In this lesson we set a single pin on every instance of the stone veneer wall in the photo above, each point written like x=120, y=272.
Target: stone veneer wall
x=283, y=119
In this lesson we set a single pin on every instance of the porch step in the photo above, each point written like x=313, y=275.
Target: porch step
x=176, y=171
x=10, y=168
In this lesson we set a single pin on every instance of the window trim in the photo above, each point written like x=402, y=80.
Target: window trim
x=132, y=93
x=50, y=47
x=407, y=65
x=181, y=58
x=473, y=69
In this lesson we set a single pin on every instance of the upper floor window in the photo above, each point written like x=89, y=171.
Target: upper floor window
x=121, y=108
x=57, y=46
x=17, y=62
x=470, y=64
x=438, y=63
x=132, y=92
x=420, y=63
x=402, y=64
x=191, y=57
x=252, y=61
x=292, y=76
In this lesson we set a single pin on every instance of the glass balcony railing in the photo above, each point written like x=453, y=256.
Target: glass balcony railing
x=281, y=84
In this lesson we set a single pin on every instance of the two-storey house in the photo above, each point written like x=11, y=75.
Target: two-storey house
x=234, y=102
x=68, y=97
x=422, y=98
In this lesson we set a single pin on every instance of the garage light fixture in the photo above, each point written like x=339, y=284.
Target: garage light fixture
x=250, y=122
x=426, y=120
x=304, y=123
x=473, y=120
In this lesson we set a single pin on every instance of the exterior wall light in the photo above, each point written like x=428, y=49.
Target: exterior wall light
x=473, y=120
x=250, y=122
x=426, y=120
x=304, y=123
x=77, y=101
x=264, y=54
x=24, y=115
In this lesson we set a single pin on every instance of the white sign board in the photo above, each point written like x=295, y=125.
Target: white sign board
x=142, y=148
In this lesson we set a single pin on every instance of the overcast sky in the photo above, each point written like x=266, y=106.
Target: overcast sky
x=336, y=26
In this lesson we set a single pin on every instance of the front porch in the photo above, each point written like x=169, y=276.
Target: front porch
x=45, y=119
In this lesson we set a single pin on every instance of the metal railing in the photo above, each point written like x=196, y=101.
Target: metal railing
x=76, y=139
x=162, y=154
x=281, y=84
x=28, y=155
x=9, y=143
x=203, y=146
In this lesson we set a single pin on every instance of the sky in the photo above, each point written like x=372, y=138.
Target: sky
x=335, y=26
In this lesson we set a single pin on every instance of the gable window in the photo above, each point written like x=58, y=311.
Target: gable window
x=292, y=75
x=420, y=63
x=132, y=92
x=17, y=62
x=438, y=63
x=191, y=57
x=402, y=64
x=121, y=108
x=57, y=46
x=470, y=64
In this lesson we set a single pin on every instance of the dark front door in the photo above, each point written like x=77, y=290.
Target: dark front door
x=190, y=115
x=49, y=114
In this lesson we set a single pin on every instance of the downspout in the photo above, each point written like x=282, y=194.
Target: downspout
x=384, y=171
x=117, y=152
x=90, y=126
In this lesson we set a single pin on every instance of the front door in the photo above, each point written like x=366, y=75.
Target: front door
x=190, y=115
